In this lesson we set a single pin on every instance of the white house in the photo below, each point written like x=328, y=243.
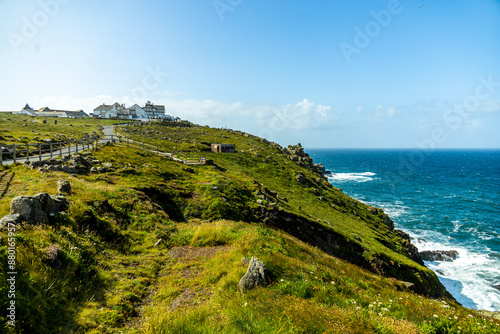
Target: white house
x=47, y=112
x=154, y=110
x=27, y=110
x=116, y=110
x=138, y=112
x=109, y=110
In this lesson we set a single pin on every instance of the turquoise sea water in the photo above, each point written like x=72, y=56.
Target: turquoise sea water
x=445, y=199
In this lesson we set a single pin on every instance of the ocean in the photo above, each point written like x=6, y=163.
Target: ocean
x=445, y=200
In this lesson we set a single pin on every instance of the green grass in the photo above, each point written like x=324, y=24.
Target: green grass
x=117, y=243
x=18, y=129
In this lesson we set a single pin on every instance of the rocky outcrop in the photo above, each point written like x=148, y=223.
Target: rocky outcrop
x=81, y=163
x=296, y=153
x=446, y=256
x=411, y=249
x=34, y=210
x=256, y=276
x=388, y=221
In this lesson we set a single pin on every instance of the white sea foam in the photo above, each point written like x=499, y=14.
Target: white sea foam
x=469, y=278
x=358, y=177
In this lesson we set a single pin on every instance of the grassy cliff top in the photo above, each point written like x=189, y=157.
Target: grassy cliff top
x=18, y=129
x=155, y=246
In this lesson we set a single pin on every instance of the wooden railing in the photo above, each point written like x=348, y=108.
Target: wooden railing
x=25, y=152
x=176, y=156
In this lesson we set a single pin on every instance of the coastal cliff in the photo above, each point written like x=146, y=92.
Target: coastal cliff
x=149, y=244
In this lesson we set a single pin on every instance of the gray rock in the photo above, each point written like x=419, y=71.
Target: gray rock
x=69, y=170
x=496, y=286
x=14, y=219
x=373, y=210
x=61, y=202
x=36, y=210
x=107, y=164
x=446, y=256
x=388, y=221
x=300, y=178
x=46, y=203
x=54, y=168
x=63, y=187
x=29, y=209
x=256, y=275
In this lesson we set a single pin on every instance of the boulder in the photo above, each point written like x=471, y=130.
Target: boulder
x=14, y=219
x=446, y=256
x=60, y=202
x=29, y=209
x=320, y=167
x=63, y=187
x=46, y=203
x=37, y=209
x=256, y=275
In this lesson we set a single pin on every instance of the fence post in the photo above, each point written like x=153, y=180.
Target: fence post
x=69, y=147
x=39, y=152
x=76, y=146
x=1, y=156
x=143, y=146
x=27, y=152
x=14, y=153
x=50, y=148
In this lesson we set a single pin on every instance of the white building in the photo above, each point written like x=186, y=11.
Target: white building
x=47, y=112
x=154, y=111
x=116, y=110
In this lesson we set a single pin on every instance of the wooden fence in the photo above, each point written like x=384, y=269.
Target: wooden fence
x=176, y=156
x=25, y=152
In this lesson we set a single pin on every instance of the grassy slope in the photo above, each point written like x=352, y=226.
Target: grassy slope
x=30, y=130
x=117, y=246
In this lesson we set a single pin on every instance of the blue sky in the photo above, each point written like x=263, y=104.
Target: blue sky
x=388, y=74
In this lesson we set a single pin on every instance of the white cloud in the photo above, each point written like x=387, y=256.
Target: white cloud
x=488, y=106
x=274, y=118
x=381, y=113
x=473, y=125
